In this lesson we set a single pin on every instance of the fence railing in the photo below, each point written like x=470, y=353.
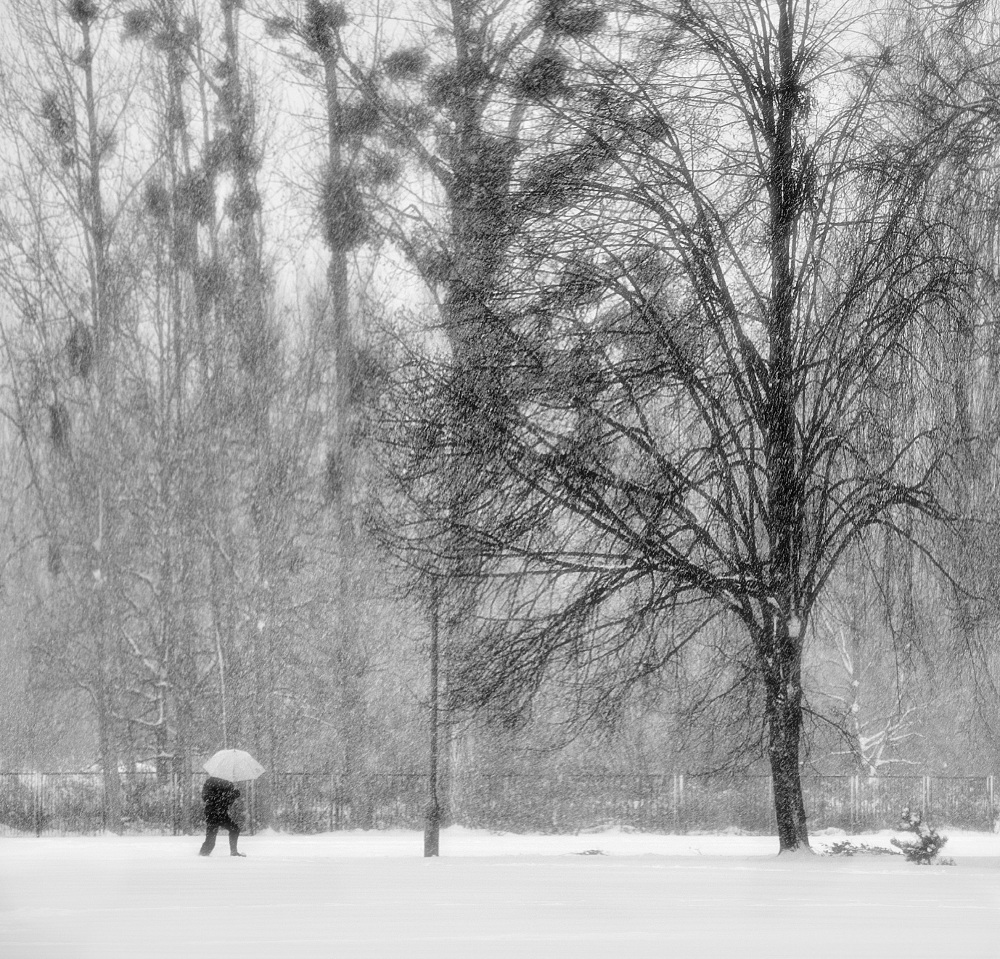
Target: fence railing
x=75, y=803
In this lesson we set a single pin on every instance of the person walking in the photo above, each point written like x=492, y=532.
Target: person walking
x=219, y=795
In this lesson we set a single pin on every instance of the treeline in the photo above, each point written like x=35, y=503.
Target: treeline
x=575, y=366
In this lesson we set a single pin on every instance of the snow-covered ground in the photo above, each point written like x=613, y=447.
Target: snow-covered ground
x=363, y=895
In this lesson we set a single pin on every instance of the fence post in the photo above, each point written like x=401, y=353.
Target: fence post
x=927, y=798
x=991, y=808
x=337, y=807
x=39, y=808
x=673, y=803
x=678, y=801
x=252, y=803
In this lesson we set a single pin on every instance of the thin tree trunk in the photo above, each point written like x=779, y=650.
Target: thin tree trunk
x=107, y=749
x=250, y=317
x=432, y=824
x=338, y=342
x=97, y=237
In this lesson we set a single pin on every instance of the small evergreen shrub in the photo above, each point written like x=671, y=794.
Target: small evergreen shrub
x=928, y=844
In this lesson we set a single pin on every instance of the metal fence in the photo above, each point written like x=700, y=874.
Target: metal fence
x=74, y=803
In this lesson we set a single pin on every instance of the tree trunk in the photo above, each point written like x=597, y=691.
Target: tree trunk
x=97, y=237
x=782, y=669
x=338, y=345
x=264, y=730
x=784, y=721
x=432, y=823
x=257, y=346
x=108, y=753
x=782, y=647
x=183, y=749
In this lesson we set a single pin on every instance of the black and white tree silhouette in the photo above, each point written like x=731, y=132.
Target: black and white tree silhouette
x=680, y=414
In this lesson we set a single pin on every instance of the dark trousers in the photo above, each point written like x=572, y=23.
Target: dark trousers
x=212, y=831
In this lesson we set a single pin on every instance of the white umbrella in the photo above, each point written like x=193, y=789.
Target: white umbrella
x=234, y=765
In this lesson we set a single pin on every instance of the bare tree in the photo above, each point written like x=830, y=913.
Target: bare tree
x=66, y=279
x=233, y=416
x=456, y=108
x=729, y=243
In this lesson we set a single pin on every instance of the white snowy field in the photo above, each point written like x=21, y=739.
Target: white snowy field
x=364, y=895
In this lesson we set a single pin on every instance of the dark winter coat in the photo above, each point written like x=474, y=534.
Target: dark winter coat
x=219, y=795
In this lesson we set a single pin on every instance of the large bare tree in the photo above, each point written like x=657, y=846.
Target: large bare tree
x=726, y=249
